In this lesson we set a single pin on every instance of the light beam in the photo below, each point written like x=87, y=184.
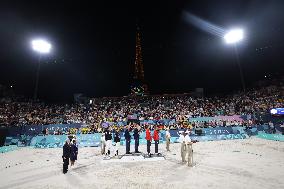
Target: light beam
x=203, y=24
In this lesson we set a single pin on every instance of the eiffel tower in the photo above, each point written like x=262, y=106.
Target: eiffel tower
x=138, y=86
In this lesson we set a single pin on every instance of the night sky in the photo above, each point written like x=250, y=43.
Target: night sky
x=94, y=45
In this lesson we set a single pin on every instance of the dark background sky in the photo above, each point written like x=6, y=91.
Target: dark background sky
x=94, y=45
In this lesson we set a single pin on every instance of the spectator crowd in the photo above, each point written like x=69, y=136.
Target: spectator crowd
x=175, y=107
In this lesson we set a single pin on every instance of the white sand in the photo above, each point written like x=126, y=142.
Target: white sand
x=251, y=163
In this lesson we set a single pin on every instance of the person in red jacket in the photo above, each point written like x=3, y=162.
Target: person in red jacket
x=156, y=139
x=149, y=140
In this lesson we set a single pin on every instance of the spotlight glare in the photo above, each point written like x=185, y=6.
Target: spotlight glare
x=273, y=111
x=41, y=46
x=234, y=36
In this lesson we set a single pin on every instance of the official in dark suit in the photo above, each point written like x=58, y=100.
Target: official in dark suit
x=74, y=152
x=127, y=140
x=66, y=155
x=136, y=138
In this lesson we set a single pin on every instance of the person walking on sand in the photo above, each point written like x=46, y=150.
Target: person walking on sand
x=66, y=155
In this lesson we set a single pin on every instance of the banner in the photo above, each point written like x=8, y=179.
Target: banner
x=55, y=141
x=207, y=119
x=33, y=130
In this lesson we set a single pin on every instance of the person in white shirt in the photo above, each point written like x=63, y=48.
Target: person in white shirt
x=188, y=147
x=182, y=146
x=187, y=139
x=103, y=144
x=168, y=139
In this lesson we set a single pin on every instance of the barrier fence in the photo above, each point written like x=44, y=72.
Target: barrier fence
x=206, y=134
x=276, y=137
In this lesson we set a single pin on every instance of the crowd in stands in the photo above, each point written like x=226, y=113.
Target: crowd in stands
x=176, y=107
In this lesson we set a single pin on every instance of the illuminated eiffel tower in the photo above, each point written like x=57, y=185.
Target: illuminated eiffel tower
x=138, y=87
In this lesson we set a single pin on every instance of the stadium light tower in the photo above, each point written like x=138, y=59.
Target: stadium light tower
x=233, y=37
x=41, y=46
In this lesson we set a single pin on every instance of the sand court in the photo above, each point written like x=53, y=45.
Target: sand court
x=249, y=163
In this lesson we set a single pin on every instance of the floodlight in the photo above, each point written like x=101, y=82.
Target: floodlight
x=234, y=36
x=41, y=46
